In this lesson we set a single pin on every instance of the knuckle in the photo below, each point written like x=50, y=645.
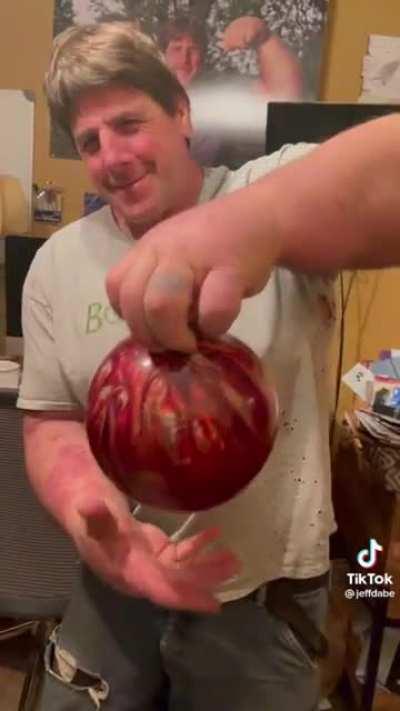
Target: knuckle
x=159, y=306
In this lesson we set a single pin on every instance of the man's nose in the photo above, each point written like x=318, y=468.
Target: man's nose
x=187, y=55
x=114, y=150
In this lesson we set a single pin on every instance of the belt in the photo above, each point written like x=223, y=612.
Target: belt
x=279, y=598
x=300, y=585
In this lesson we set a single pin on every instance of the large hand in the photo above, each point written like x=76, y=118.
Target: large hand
x=139, y=559
x=189, y=273
x=243, y=32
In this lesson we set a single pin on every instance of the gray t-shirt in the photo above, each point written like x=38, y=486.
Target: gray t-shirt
x=280, y=524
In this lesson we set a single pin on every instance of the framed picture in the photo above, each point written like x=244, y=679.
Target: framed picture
x=233, y=57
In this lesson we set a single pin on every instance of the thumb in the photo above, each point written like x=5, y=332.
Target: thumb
x=100, y=523
x=103, y=527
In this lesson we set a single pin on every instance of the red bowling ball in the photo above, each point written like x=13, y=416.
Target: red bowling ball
x=181, y=432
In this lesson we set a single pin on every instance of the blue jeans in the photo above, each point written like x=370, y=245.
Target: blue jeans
x=117, y=653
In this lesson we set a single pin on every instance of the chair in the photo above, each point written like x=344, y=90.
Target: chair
x=38, y=563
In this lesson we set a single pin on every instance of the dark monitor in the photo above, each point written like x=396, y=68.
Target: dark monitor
x=19, y=252
x=314, y=122
x=8, y=398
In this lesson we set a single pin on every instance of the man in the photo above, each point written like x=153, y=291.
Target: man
x=184, y=43
x=222, y=609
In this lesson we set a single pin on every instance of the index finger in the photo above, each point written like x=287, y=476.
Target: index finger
x=99, y=521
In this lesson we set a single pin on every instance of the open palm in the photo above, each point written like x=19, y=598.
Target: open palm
x=141, y=560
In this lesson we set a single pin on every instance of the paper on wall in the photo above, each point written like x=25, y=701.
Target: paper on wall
x=381, y=70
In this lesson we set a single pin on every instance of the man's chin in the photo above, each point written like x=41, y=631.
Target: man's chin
x=139, y=215
x=139, y=223
x=184, y=78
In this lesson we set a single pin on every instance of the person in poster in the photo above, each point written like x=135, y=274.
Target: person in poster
x=184, y=42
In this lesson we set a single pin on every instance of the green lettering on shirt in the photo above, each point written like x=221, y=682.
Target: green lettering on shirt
x=97, y=315
x=94, y=320
x=110, y=316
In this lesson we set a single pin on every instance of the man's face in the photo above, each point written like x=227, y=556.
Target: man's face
x=184, y=58
x=135, y=153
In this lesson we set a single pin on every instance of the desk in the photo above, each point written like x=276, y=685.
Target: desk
x=365, y=509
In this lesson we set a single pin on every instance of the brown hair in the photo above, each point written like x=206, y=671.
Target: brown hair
x=183, y=25
x=100, y=54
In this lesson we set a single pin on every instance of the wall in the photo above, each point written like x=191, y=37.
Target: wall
x=25, y=42
x=25, y=39
x=16, y=142
x=373, y=314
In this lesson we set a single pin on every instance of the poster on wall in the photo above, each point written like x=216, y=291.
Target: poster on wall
x=232, y=56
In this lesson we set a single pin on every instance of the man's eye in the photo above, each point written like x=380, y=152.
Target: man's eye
x=128, y=125
x=90, y=145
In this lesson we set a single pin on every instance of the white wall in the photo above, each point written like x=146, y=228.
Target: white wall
x=16, y=140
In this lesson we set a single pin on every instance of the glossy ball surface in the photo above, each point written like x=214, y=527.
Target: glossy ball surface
x=181, y=432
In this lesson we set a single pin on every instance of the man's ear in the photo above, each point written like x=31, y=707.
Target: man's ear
x=183, y=116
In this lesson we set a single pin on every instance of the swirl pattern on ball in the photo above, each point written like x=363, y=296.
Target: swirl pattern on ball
x=181, y=432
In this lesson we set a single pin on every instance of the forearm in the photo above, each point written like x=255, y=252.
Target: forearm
x=337, y=208
x=62, y=469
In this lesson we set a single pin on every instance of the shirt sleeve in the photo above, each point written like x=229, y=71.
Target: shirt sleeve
x=43, y=385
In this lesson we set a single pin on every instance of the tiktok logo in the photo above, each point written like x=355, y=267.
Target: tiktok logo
x=367, y=557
